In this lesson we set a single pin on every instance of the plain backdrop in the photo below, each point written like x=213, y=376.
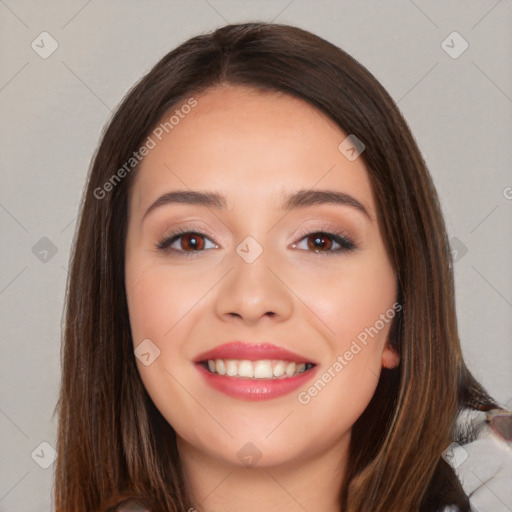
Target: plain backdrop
x=457, y=103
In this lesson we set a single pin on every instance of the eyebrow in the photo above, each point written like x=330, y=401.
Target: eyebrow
x=299, y=199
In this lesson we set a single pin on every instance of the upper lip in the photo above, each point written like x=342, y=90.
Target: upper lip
x=251, y=352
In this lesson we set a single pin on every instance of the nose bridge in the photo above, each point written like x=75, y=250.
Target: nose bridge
x=251, y=289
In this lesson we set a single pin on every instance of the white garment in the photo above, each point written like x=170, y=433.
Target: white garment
x=483, y=466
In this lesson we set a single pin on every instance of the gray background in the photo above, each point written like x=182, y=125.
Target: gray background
x=53, y=110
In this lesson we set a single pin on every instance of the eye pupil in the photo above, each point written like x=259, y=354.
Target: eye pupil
x=319, y=241
x=194, y=239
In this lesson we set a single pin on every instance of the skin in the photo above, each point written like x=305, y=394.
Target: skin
x=253, y=147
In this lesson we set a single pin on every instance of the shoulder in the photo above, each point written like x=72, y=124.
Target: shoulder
x=482, y=459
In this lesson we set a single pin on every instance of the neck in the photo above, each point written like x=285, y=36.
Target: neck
x=311, y=483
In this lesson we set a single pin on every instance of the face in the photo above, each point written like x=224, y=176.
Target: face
x=294, y=288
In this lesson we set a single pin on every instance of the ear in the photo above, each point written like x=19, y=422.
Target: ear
x=390, y=358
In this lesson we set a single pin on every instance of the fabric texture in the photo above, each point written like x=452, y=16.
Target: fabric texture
x=483, y=464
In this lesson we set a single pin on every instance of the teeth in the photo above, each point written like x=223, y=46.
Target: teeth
x=290, y=369
x=245, y=369
x=263, y=369
x=279, y=369
x=219, y=367
x=231, y=367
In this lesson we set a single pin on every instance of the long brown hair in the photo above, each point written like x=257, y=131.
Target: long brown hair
x=112, y=441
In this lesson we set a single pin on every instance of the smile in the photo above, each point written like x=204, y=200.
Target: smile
x=260, y=369
x=254, y=371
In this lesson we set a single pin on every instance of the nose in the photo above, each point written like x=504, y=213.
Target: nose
x=253, y=291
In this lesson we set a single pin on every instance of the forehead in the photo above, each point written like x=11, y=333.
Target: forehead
x=244, y=143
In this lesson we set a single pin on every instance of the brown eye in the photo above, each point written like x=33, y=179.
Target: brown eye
x=192, y=242
x=323, y=242
x=319, y=242
x=186, y=242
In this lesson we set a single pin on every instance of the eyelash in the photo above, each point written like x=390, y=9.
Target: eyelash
x=345, y=243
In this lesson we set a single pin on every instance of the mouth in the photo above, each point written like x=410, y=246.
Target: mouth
x=254, y=371
x=259, y=369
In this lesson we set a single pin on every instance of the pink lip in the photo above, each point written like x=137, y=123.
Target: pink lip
x=251, y=352
x=253, y=389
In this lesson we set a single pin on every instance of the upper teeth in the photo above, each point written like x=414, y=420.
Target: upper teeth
x=263, y=369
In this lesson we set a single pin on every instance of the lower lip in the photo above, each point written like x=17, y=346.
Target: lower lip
x=255, y=389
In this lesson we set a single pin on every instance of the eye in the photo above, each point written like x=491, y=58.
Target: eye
x=186, y=242
x=325, y=242
x=192, y=242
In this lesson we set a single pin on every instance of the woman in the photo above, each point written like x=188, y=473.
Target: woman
x=260, y=311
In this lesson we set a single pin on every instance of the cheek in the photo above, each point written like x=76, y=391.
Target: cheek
x=151, y=306
x=158, y=305
x=335, y=400
x=159, y=299
x=357, y=303
x=359, y=310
